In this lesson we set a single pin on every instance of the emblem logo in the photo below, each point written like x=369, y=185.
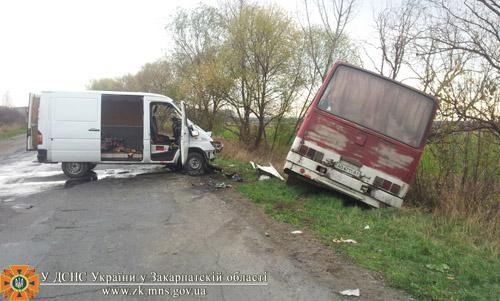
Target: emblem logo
x=19, y=283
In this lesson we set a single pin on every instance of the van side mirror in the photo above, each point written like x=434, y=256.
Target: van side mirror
x=193, y=132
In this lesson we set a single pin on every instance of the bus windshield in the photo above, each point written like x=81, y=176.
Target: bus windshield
x=378, y=104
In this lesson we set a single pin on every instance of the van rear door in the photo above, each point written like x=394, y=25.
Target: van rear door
x=32, y=131
x=184, y=135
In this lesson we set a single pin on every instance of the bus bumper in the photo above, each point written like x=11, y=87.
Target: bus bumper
x=336, y=180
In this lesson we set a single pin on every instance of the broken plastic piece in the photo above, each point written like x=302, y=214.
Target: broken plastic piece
x=264, y=177
x=349, y=241
x=296, y=232
x=350, y=292
x=270, y=170
x=253, y=164
x=366, y=227
x=222, y=185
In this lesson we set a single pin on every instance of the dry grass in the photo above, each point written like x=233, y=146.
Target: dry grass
x=10, y=127
x=12, y=120
x=237, y=150
x=475, y=205
x=7, y=131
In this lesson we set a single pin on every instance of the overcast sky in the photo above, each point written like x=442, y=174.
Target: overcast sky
x=62, y=45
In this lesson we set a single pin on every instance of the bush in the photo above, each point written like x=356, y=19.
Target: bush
x=458, y=178
x=10, y=116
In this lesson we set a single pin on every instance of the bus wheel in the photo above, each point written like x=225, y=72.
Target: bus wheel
x=75, y=169
x=293, y=180
x=195, y=164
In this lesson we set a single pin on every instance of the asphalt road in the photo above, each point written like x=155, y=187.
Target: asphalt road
x=139, y=220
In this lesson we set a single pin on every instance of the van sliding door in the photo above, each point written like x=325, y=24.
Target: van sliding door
x=122, y=124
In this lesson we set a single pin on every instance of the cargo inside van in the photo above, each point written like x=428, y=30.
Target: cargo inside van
x=122, y=127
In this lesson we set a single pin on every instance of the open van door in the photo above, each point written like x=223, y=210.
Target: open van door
x=184, y=135
x=32, y=131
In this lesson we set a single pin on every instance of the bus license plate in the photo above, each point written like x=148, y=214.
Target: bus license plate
x=347, y=169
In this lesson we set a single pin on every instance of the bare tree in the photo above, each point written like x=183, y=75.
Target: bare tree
x=470, y=26
x=397, y=29
x=262, y=48
x=459, y=51
x=198, y=35
x=324, y=41
x=6, y=99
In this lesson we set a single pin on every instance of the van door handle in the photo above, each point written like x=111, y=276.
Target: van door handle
x=94, y=130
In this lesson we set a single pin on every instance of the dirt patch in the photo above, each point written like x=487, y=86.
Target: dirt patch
x=13, y=145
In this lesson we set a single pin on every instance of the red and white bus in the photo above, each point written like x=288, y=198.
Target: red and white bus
x=363, y=135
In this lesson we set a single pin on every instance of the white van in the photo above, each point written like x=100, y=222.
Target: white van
x=83, y=129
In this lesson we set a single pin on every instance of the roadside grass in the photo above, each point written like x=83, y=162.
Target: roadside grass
x=429, y=256
x=7, y=132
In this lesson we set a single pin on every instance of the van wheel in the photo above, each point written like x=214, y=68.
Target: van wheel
x=195, y=164
x=75, y=169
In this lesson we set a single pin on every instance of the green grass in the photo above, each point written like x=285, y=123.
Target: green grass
x=428, y=256
x=12, y=132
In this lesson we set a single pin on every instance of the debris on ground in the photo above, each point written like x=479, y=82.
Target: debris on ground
x=253, y=164
x=264, y=177
x=214, y=167
x=270, y=170
x=366, y=227
x=222, y=185
x=296, y=232
x=350, y=292
x=341, y=240
x=443, y=267
x=266, y=234
x=22, y=206
x=234, y=176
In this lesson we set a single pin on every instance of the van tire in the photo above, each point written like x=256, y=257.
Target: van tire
x=195, y=164
x=75, y=169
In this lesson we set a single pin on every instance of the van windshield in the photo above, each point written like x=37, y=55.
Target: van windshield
x=378, y=104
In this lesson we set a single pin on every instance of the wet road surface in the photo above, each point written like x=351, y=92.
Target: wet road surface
x=140, y=220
